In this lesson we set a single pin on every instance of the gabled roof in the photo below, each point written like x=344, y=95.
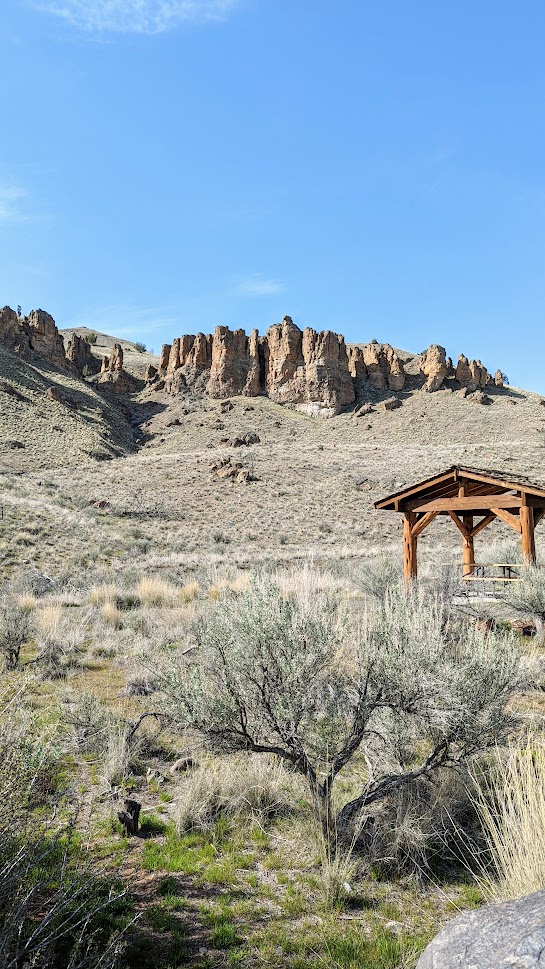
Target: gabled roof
x=478, y=482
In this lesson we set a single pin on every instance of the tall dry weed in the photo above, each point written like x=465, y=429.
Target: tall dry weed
x=511, y=804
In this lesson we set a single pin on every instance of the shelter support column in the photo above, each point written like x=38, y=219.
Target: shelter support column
x=468, y=550
x=527, y=530
x=410, y=568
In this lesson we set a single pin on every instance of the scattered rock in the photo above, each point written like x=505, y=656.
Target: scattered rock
x=479, y=397
x=54, y=393
x=225, y=406
x=15, y=445
x=503, y=936
x=391, y=404
x=245, y=441
x=364, y=409
x=226, y=468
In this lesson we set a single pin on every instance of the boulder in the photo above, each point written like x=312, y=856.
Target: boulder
x=510, y=935
x=391, y=404
x=150, y=374
x=434, y=366
x=54, y=393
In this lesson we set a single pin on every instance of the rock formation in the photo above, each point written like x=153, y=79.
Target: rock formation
x=78, y=353
x=45, y=338
x=433, y=366
x=112, y=377
x=13, y=335
x=38, y=333
x=310, y=370
x=472, y=374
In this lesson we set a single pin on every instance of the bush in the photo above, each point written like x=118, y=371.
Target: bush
x=91, y=338
x=16, y=629
x=141, y=347
x=528, y=595
x=409, y=686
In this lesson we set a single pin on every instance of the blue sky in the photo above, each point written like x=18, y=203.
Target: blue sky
x=373, y=168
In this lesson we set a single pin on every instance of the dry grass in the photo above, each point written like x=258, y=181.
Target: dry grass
x=257, y=787
x=154, y=591
x=48, y=619
x=189, y=591
x=100, y=595
x=511, y=804
x=111, y=615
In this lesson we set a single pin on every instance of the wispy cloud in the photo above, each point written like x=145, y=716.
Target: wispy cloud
x=257, y=285
x=135, y=16
x=11, y=204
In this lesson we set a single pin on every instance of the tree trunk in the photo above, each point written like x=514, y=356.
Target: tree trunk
x=129, y=817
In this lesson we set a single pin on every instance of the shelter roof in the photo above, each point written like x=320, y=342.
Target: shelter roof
x=478, y=482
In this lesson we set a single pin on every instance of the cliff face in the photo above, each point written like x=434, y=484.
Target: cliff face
x=291, y=366
x=38, y=333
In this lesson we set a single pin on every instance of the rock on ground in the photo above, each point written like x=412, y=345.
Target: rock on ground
x=506, y=936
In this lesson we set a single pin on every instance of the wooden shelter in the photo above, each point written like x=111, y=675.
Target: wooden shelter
x=467, y=494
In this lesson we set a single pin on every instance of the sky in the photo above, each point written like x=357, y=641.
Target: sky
x=375, y=168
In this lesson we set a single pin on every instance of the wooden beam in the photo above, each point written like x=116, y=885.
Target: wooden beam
x=527, y=531
x=482, y=524
x=459, y=524
x=468, y=551
x=471, y=503
x=508, y=485
x=508, y=518
x=419, y=487
x=423, y=522
x=410, y=567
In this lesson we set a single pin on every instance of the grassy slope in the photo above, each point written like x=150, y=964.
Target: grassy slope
x=55, y=433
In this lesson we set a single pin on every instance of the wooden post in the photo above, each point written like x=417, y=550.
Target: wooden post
x=410, y=567
x=468, y=550
x=527, y=530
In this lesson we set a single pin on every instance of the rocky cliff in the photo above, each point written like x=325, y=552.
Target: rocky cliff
x=38, y=333
x=316, y=372
x=313, y=371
